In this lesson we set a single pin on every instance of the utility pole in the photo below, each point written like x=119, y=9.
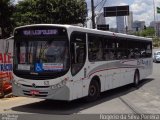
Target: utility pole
x=154, y=18
x=93, y=15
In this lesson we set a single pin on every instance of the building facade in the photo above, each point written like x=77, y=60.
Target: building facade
x=120, y=24
x=138, y=25
x=100, y=19
x=130, y=22
x=156, y=26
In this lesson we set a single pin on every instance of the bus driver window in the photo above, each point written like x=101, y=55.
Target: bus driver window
x=55, y=51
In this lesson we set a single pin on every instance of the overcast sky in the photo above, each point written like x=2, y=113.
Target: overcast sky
x=142, y=9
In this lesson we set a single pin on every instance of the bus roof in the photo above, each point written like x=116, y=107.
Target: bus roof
x=94, y=31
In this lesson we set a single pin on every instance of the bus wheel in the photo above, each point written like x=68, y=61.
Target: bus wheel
x=136, y=79
x=94, y=91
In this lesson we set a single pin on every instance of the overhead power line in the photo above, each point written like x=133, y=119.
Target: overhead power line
x=101, y=9
x=98, y=4
x=93, y=12
x=105, y=1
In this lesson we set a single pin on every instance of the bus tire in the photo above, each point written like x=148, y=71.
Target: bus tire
x=93, y=91
x=136, y=79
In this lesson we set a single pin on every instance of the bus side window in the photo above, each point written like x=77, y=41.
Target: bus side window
x=106, y=54
x=95, y=52
x=149, y=50
x=146, y=50
x=112, y=47
x=78, y=51
x=134, y=50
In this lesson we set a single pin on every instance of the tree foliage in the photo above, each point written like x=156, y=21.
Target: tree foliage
x=148, y=32
x=6, y=10
x=50, y=11
x=156, y=42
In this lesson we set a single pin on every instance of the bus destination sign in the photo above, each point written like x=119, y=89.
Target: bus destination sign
x=40, y=32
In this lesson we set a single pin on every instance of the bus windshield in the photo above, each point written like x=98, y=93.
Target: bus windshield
x=41, y=56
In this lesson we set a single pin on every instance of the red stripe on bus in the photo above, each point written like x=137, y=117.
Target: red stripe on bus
x=111, y=69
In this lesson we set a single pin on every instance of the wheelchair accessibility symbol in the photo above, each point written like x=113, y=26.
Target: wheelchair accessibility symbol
x=38, y=67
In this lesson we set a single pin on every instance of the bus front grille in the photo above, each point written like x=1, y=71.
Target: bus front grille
x=36, y=86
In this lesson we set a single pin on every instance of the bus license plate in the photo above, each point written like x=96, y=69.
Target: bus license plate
x=34, y=92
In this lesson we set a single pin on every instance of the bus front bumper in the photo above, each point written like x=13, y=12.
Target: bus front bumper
x=62, y=93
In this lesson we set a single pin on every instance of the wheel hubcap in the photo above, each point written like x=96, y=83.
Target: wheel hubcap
x=92, y=90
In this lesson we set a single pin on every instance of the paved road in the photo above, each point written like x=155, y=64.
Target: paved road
x=145, y=99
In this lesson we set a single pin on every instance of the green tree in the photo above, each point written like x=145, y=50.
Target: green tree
x=50, y=11
x=6, y=10
x=156, y=42
x=148, y=32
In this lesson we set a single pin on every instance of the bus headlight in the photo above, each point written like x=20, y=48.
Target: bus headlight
x=59, y=85
x=15, y=82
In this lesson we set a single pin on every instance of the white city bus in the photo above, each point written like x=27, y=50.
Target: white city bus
x=63, y=62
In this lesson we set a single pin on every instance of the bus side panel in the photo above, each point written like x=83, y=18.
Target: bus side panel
x=129, y=69
x=98, y=69
x=127, y=76
x=147, y=67
x=108, y=83
x=103, y=80
x=76, y=88
x=86, y=83
x=80, y=87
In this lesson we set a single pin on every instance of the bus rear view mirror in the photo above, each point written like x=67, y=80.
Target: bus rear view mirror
x=7, y=44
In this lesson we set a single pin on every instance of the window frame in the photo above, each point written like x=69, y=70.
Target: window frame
x=71, y=50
